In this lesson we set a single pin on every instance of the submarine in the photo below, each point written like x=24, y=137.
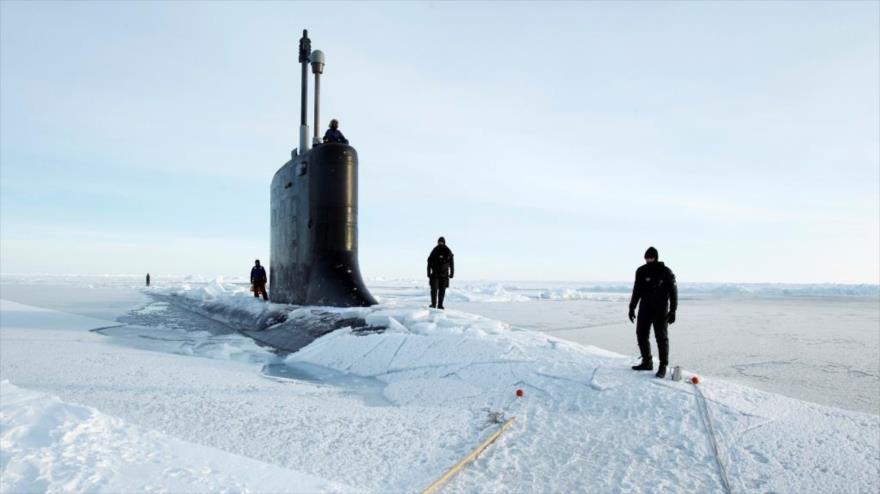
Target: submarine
x=313, y=263
x=314, y=208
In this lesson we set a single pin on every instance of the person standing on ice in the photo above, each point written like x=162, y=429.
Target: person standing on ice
x=148, y=279
x=258, y=280
x=333, y=134
x=656, y=294
x=441, y=268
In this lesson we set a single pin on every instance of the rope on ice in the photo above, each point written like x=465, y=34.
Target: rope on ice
x=467, y=459
x=707, y=419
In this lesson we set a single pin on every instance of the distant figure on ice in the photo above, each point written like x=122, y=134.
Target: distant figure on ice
x=656, y=294
x=441, y=267
x=148, y=279
x=333, y=134
x=258, y=280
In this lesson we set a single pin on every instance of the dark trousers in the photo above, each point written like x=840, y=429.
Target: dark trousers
x=260, y=287
x=438, y=291
x=643, y=332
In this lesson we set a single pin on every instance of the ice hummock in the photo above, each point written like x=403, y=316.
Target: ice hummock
x=50, y=445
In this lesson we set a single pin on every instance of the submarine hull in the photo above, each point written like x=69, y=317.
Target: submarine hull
x=314, y=245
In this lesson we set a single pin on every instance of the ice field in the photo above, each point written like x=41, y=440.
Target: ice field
x=109, y=387
x=819, y=343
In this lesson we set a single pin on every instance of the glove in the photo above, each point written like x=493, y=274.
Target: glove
x=632, y=315
x=671, y=317
x=451, y=276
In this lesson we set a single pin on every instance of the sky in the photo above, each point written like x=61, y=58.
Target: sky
x=545, y=141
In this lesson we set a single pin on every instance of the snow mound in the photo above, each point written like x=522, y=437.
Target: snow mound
x=787, y=290
x=52, y=446
x=489, y=292
x=581, y=294
x=231, y=304
x=393, y=291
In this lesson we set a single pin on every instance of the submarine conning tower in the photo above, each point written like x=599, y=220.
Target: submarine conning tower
x=314, y=202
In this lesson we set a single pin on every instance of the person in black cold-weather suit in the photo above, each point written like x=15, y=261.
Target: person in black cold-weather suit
x=258, y=280
x=441, y=268
x=656, y=294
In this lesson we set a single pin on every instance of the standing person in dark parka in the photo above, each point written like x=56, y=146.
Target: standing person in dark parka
x=656, y=294
x=258, y=280
x=441, y=268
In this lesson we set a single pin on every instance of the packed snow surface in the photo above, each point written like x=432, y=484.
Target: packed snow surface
x=49, y=445
x=819, y=348
x=164, y=399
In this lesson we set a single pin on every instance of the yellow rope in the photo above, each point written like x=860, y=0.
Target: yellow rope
x=467, y=459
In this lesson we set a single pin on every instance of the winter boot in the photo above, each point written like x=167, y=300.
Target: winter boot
x=646, y=365
x=661, y=371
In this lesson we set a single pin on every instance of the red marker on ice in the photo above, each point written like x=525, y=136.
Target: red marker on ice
x=519, y=393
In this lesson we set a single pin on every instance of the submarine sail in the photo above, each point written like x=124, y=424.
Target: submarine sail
x=314, y=207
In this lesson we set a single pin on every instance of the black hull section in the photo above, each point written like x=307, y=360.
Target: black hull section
x=284, y=328
x=314, y=230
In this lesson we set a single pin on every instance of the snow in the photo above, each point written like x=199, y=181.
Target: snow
x=49, y=445
x=232, y=304
x=583, y=400
x=322, y=429
x=823, y=350
x=532, y=291
x=20, y=316
x=385, y=412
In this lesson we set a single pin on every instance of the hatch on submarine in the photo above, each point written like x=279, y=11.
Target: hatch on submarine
x=314, y=204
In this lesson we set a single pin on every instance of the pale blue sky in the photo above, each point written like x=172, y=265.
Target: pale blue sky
x=546, y=141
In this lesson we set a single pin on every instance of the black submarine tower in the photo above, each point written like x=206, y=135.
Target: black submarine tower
x=314, y=202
